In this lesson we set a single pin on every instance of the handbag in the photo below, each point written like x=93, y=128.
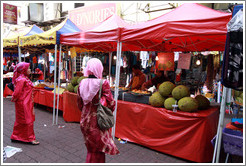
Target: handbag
x=105, y=117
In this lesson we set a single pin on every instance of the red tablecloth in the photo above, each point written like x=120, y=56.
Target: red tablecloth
x=7, y=91
x=71, y=112
x=181, y=134
x=45, y=97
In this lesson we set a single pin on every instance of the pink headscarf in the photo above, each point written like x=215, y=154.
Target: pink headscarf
x=89, y=87
x=20, y=70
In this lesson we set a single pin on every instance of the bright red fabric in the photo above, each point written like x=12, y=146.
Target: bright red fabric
x=190, y=27
x=182, y=134
x=97, y=140
x=45, y=97
x=7, y=91
x=98, y=157
x=71, y=112
x=24, y=112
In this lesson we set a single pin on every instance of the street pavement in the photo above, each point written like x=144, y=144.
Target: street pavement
x=63, y=143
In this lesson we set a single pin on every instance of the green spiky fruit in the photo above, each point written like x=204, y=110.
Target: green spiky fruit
x=241, y=96
x=188, y=104
x=180, y=92
x=70, y=88
x=203, y=102
x=80, y=78
x=239, y=99
x=166, y=88
x=74, y=81
x=169, y=102
x=156, y=100
x=237, y=93
x=76, y=88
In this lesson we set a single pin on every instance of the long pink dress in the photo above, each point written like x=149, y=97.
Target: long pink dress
x=95, y=139
x=24, y=112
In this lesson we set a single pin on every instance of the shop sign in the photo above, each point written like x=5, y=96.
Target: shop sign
x=184, y=61
x=165, y=62
x=88, y=16
x=9, y=14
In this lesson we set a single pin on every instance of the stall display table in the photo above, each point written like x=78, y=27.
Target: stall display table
x=46, y=98
x=7, y=91
x=181, y=134
x=71, y=112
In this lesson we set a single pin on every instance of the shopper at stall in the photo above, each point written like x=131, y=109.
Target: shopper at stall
x=138, y=78
x=156, y=81
x=24, y=113
x=98, y=142
x=40, y=74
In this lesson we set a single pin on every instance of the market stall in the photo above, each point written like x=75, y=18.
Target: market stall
x=12, y=41
x=198, y=29
x=51, y=38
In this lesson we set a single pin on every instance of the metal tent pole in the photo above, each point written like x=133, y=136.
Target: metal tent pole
x=117, y=73
x=54, y=102
x=59, y=82
x=110, y=65
x=217, y=146
x=19, y=52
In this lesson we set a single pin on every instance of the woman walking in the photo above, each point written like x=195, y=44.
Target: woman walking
x=98, y=142
x=24, y=112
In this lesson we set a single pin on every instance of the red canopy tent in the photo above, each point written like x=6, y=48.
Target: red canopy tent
x=102, y=37
x=190, y=27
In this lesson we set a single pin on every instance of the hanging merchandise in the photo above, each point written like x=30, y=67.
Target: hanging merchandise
x=184, y=61
x=232, y=73
x=165, y=62
x=144, y=56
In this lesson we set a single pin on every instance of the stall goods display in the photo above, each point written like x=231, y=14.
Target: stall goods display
x=180, y=92
x=73, y=86
x=203, y=102
x=166, y=88
x=188, y=104
x=140, y=92
x=156, y=100
x=169, y=102
x=41, y=86
x=76, y=88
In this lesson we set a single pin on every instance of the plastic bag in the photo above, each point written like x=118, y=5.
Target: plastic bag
x=236, y=23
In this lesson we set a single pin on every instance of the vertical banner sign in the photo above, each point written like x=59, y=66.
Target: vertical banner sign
x=165, y=62
x=9, y=14
x=88, y=16
x=184, y=61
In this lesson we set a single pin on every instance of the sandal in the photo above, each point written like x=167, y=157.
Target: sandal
x=35, y=142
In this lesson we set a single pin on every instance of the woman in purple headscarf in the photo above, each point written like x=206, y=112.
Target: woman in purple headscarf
x=24, y=112
x=98, y=142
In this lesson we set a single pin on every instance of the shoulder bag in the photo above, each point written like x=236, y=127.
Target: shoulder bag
x=105, y=117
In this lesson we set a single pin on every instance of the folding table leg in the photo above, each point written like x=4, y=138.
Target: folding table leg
x=227, y=156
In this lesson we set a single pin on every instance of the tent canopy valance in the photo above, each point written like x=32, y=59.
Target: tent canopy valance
x=190, y=27
x=102, y=37
x=12, y=39
x=51, y=36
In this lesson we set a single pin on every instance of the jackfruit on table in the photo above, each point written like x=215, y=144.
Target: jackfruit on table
x=156, y=100
x=169, y=102
x=203, y=102
x=180, y=92
x=188, y=104
x=166, y=88
x=76, y=88
x=70, y=88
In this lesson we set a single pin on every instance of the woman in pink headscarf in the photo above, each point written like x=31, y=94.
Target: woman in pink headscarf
x=24, y=112
x=98, y=142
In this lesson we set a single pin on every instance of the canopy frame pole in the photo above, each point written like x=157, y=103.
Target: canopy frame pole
x=117, y=77
x=19, y=52
x=59, y=82
x=110, y=65
x=217, y=146
x=54, y=101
